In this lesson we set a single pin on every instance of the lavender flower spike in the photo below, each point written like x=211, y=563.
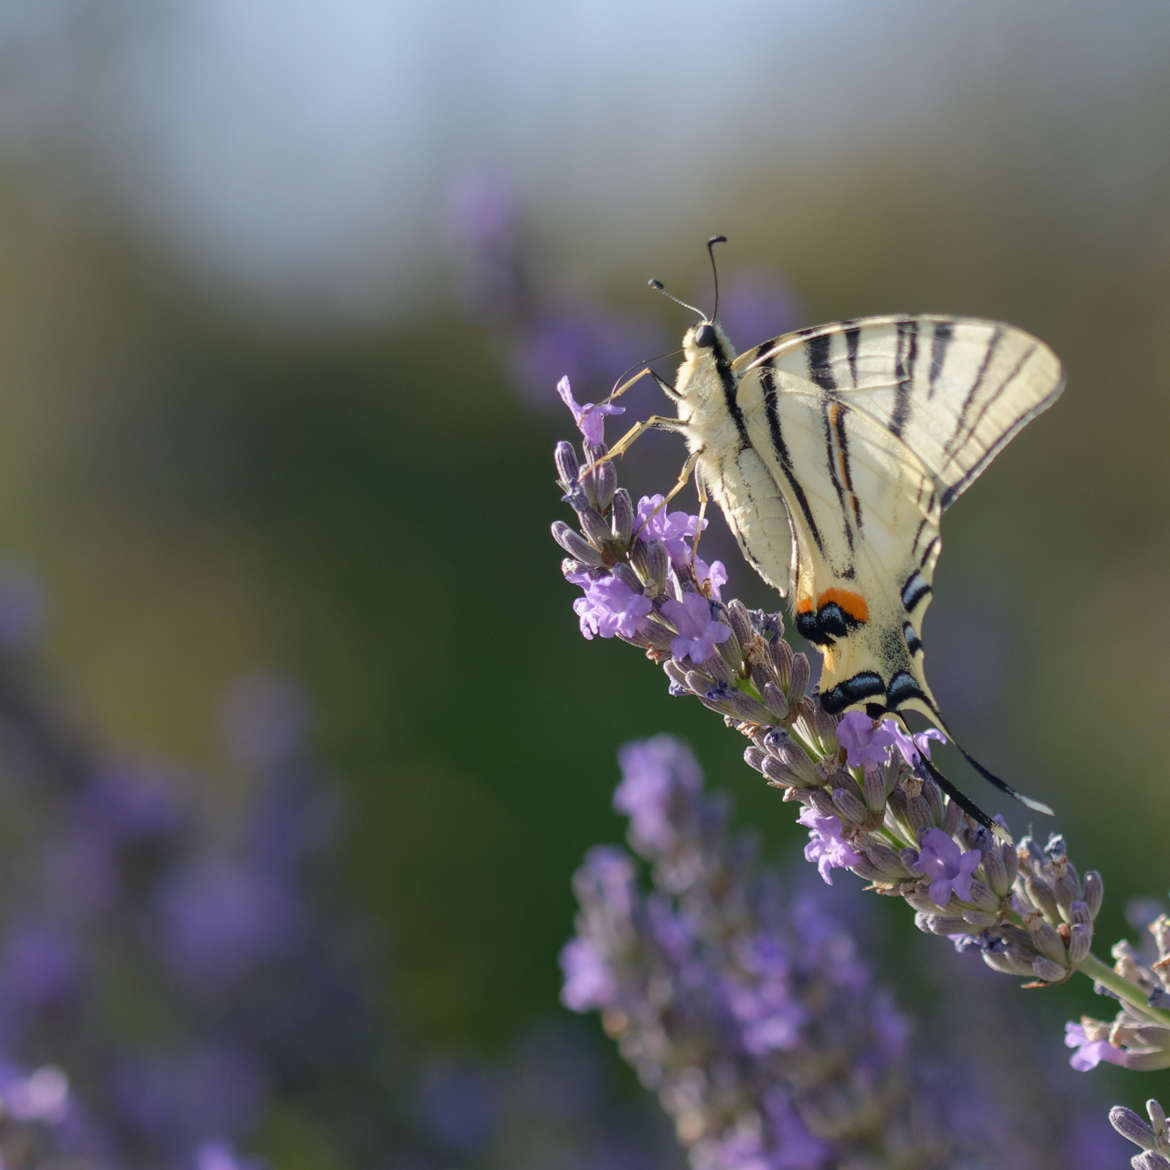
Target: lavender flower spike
x=744, y=1007
x=864, y=796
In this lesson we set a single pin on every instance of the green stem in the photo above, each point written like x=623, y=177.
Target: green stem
x=1134, y=997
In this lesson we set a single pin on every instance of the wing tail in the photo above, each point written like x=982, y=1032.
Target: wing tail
x=1027, y=801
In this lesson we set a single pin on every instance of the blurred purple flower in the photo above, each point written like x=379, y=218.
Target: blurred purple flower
x=484, y=211
x=220, y=918
x=755, y=307
x=459, y=1104
x=589, y=346
x=264, y=721
x=22, y=608
x=698, y=631
x=41, y=967
x=218, y=1155
x=949, y=868
x=718, y=999
x=130, y=803
x=174, y=1100
x=658, y=775
x=42, y=1095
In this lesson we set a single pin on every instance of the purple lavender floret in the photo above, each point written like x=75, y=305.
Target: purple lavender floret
x=699, y=631
x=610, y=608
x=743, y=1007
x=590, y=417
x=827, y=847
x=949, y=868
x=673, y=529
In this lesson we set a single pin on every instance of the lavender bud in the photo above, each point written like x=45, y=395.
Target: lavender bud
x=849, y=806
x=886, y=861
x=782, y=659
x=945, y=924
x=1131, y=1126
x=594, y=527
x=798, y=684
x=605, y=484
x=952, y=818
x=995, y=872
x=1149, y=1161
x=738, y=619
x=621, y=520
x=1080, y=939
x=1040, y=893
x=822, y=802
x=1047, y=971
x=568, y=469
x=775, y=700
x=1094, y=892
x=1157, y=1118
x=917, y=815
x=576, y=545
x=875, y=786
x=627, y=577
x=657, y=562
x=979, y=919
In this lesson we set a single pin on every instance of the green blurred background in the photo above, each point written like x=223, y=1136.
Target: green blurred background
x=254, y=414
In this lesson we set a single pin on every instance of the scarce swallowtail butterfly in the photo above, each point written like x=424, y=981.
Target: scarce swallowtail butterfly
x=833, y=452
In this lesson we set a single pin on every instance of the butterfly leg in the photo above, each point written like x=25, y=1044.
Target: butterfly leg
x=655, y=421
x=618, y=391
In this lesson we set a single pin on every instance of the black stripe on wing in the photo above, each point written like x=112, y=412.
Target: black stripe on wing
x=768, y=382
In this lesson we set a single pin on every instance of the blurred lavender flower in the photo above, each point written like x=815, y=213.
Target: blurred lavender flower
x=488, y=223
x=121, y=902
x=753, y=307
x=549, y=334
x=22, y=609
x=741, y=1004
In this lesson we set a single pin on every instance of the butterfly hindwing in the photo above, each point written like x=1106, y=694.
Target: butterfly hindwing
x=866, y=539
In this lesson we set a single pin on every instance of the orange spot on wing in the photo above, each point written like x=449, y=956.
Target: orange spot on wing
x=804, y=605
x=852, y=604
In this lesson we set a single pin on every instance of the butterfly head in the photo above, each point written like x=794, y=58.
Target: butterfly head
x=706, y=342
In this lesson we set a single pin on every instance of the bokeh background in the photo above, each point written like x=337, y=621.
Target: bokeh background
x=286, y=290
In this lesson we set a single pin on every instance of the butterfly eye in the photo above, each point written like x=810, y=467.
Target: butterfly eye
x=705, y=336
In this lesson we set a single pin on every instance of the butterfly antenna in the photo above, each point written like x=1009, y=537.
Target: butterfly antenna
x=658, y=285
x=715, y=272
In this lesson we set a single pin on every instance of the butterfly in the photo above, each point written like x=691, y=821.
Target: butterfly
x=832, y=452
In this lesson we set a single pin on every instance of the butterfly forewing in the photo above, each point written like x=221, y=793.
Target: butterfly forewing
x=953, y=389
